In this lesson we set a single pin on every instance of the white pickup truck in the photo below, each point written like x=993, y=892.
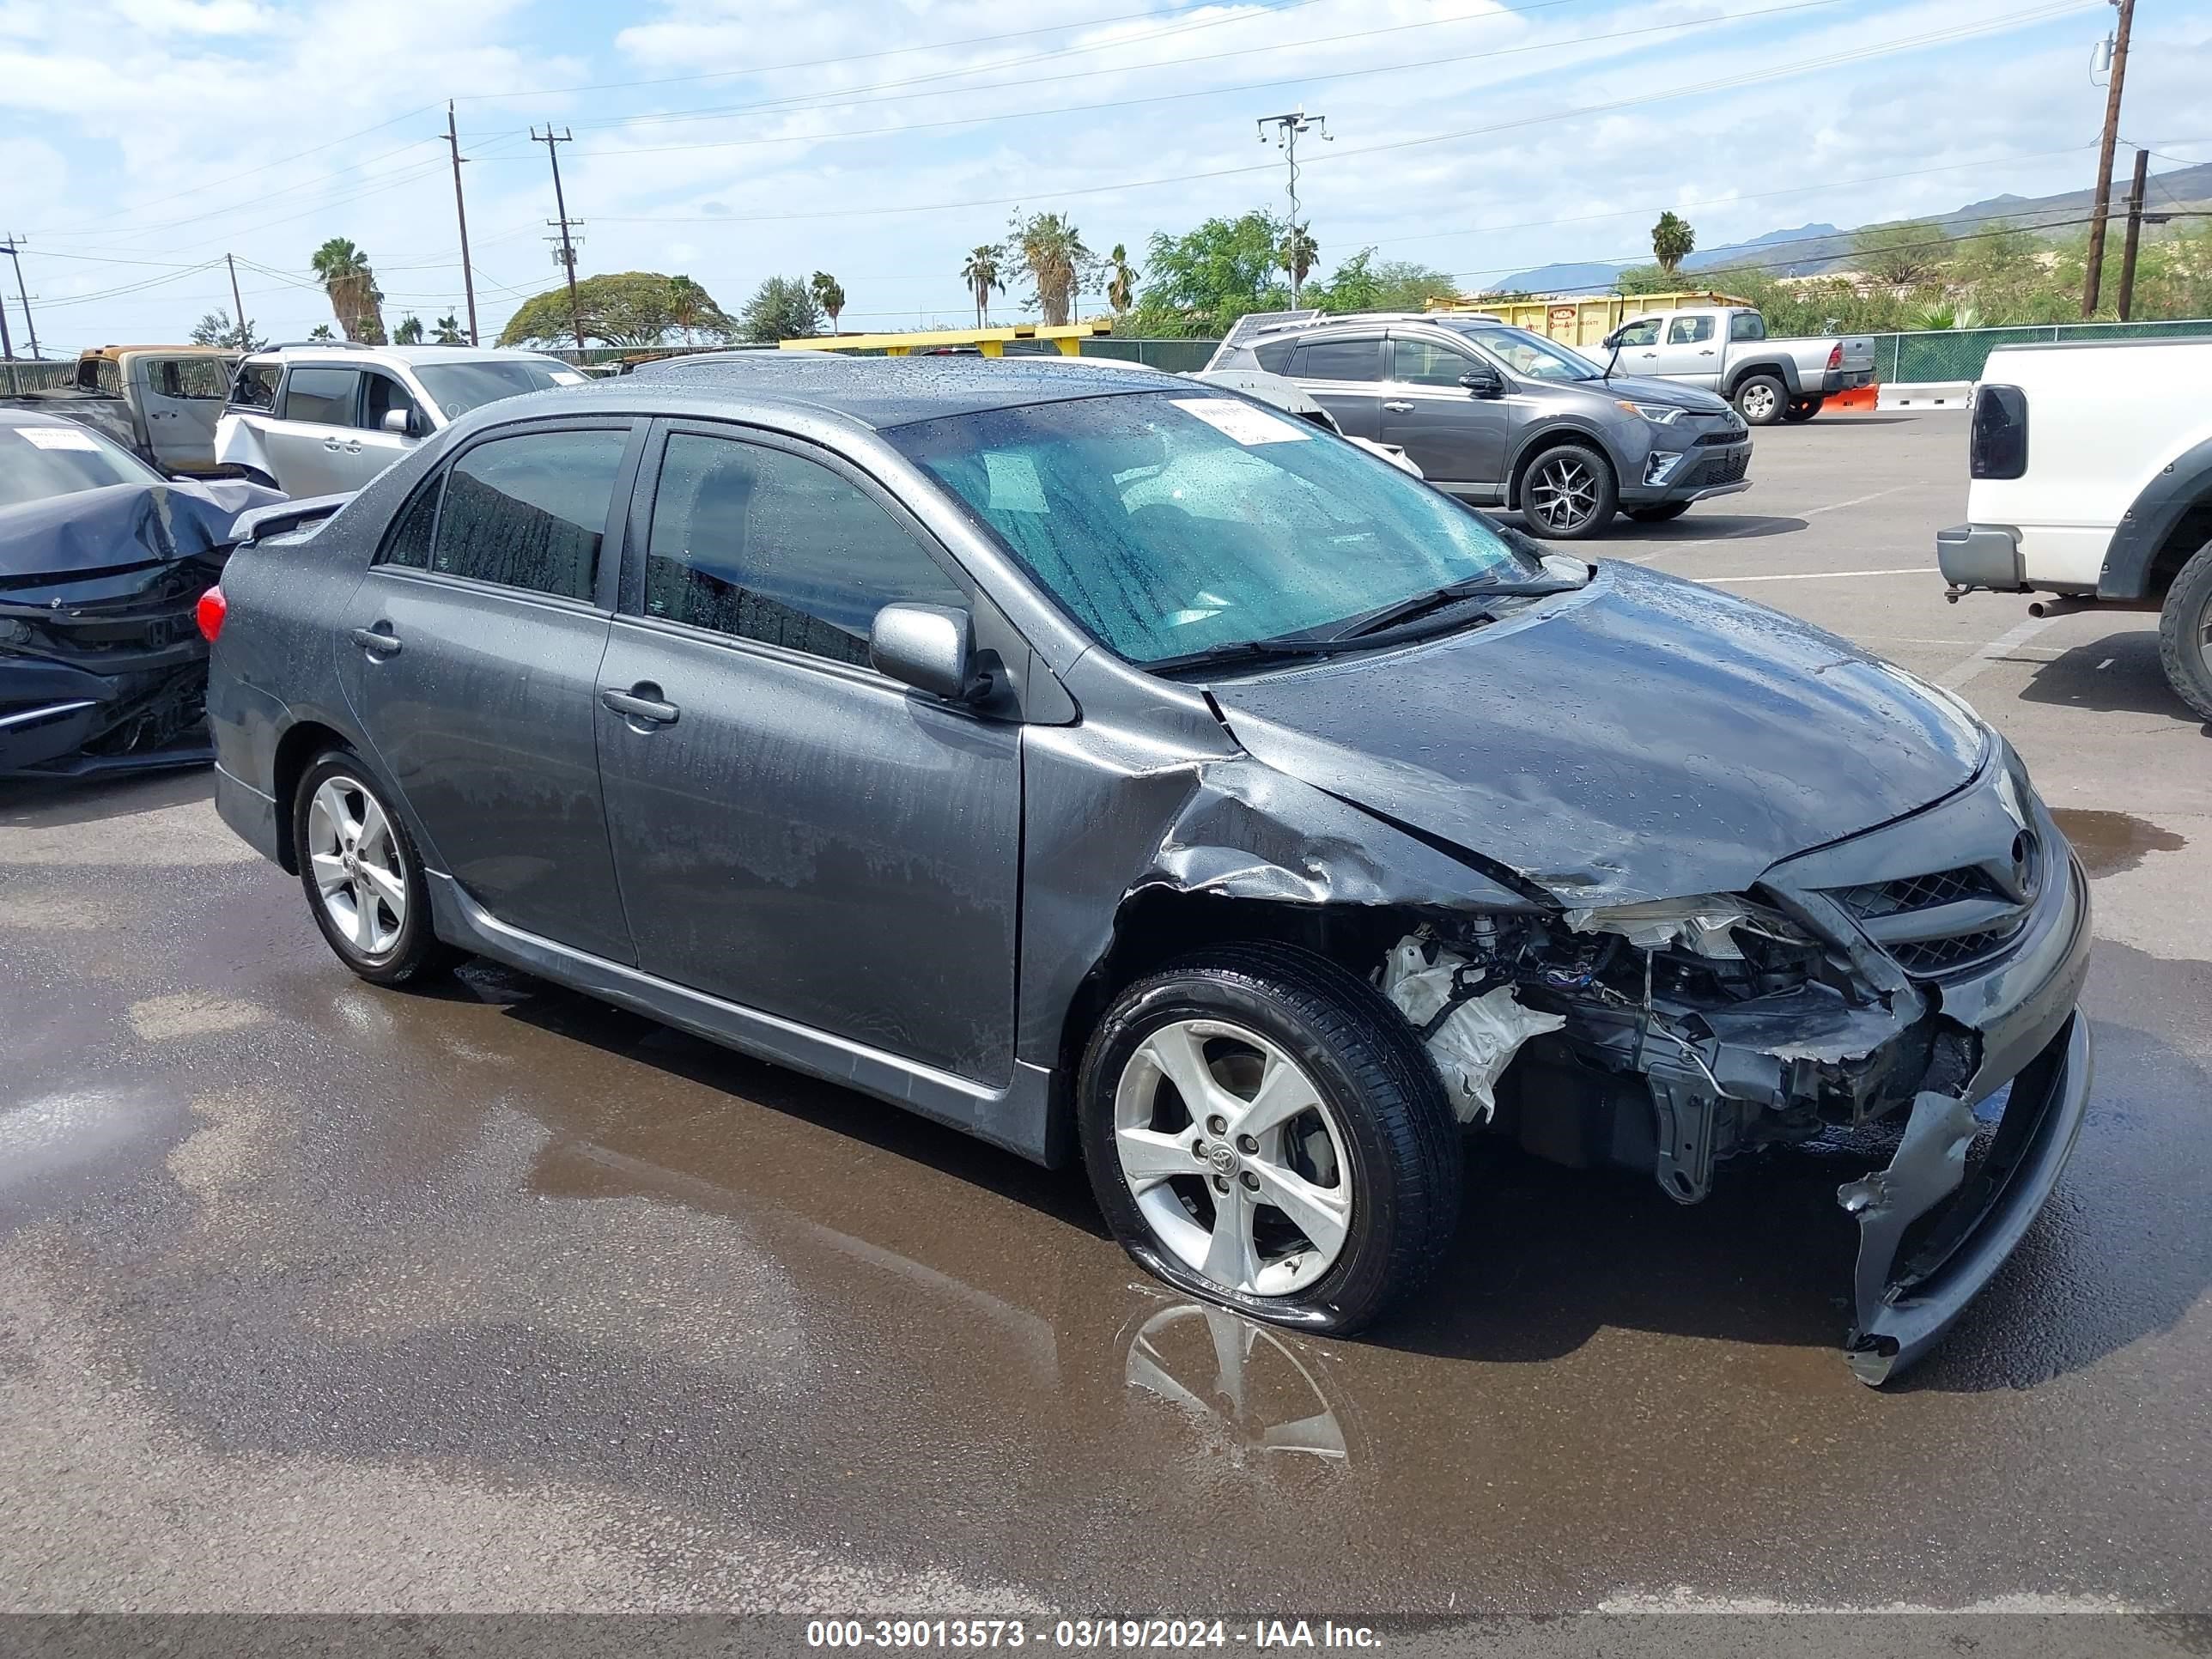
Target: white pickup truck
x=2091, y=480
x=1724, y=349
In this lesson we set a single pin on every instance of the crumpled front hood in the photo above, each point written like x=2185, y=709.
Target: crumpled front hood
x=121, y=526
x=1646, y=737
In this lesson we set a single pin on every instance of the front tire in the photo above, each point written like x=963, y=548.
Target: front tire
x=1262, y=1129
x=361, y=874
x=1568, y=494
x=2185, y=633
x=1762, y=400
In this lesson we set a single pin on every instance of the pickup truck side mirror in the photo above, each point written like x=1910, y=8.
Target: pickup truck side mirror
x=931, y=648
x=1483, y=381
x=1611, y=342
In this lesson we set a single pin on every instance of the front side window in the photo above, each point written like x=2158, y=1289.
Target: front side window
x=1747, y=326
x=1168, y=524
x=1688, y=331
x=1424, y=362
x=1532, y=356
x=38, y=461
x=1338, y=360
x=530, y=511
x=763, y=544
x=322, y=397
x=386, y=394
x=1641, y=334
x=256, y=385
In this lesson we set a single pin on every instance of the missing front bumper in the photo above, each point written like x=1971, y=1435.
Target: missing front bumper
x=1913, y=1281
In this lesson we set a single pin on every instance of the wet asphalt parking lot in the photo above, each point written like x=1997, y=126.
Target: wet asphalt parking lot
x=314, y=1296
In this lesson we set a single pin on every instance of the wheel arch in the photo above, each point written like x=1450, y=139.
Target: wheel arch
x=1781, y=368
x=2167, y=523
x=1549, y=436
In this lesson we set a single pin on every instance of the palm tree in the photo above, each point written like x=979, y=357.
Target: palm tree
x=409, y=331
x=828, y=294
x=1121, y=280
x=980, y=273
x=1672, y=240
x=688, y=305
x=1052, y=248
x=1298, y=255
x=347, y=278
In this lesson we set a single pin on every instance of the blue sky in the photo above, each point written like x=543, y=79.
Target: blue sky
x=880, y=139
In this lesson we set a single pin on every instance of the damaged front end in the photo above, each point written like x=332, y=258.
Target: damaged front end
x=1925, y=973
x=102, y=667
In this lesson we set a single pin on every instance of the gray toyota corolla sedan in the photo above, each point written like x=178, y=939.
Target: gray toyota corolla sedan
x=1113, y=768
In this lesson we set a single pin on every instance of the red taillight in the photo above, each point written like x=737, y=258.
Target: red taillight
x=1835, y=355
x=209, y=613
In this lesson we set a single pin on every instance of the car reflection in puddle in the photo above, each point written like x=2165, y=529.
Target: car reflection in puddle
x=1245, y=1390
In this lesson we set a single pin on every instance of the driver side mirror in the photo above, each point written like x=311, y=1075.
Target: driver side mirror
x=1483, y=381
x=931, y=648
x=401, y=422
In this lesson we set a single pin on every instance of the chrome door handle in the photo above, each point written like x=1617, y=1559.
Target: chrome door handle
x=333, y=445
x=376, y=643
x=1397, y=406
x=651, y=710
x=1706, y=351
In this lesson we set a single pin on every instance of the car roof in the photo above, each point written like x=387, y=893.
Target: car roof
x=38, y=417
x=881, y=392
x=349, y=352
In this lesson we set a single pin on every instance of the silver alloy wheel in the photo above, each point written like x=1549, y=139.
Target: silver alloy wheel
x=358, y=871
x=1563, y=495
x=1234, y=1157
x=1758, y=402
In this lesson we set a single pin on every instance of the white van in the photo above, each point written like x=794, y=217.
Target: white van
x=2091, y=481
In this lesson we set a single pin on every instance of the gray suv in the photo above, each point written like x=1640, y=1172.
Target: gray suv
x=1114, y=766
x=1503, y=417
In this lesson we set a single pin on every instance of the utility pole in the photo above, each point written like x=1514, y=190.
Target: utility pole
x=12, y=247
x=2103, y=203
x=1287, y=129
x=2135, y=232
x=565, y=256
x=461, y=212
x=7, y=349
x=243, y=336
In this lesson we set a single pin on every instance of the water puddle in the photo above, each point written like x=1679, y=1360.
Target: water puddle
x=2110, y=842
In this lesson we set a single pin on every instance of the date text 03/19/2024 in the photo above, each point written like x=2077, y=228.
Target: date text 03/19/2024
x=1113, y=1634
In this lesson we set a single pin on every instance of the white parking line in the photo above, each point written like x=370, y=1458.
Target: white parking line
x=1959, y=672
x=1820, y=575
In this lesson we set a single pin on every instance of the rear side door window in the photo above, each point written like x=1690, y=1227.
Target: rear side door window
x=322, y=397
x=1690, y=330
x=530, y=511
x=761, y=543
x=1338, y=360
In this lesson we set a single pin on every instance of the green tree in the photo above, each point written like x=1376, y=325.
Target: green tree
x=1359, y=283
x=1647, y=279
x=782, y=308
x=216, y=329
x=980, y=273
x=1672, y=241
x=321, y=331
x=1298, y=253
x=1903, y=255
x=619, y=308
x=1121, y=280
x=448, y=330
x=345, y=272
x=829, y=293
x=409, y=331
x=1051, y=248
x=1202, y=282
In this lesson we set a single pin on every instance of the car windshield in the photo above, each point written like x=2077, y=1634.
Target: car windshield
x=37, y=462
x=1170, y=525
x=1531, y=355
x=456, y=388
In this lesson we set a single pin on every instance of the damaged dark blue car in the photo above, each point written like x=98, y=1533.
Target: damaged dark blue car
x=1116, y=769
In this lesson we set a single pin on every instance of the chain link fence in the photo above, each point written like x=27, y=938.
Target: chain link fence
x=1958, y=353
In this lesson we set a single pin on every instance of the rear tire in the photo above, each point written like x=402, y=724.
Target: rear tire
x=1761, y=400
x=1802, y=409
x=1348, y=1126
x=1568, y=494
x=361, y=873
x=2185, y=633
x=1662, y=514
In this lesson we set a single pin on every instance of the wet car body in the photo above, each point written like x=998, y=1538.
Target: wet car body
x=101, y=666
x=1744, y=883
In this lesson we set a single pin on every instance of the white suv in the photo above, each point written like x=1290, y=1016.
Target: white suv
x=2092, y=480
x=316, y=419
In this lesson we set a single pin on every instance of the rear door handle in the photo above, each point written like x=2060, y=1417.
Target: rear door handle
x=332, y=445
x=1398, y=406
x=634, y=705
x=376, y=643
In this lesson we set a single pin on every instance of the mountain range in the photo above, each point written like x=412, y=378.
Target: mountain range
x=1812, y=250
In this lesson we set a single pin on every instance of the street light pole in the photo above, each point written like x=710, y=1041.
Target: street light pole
x=1287, y=129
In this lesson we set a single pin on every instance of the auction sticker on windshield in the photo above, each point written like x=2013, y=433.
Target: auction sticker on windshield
x=59, y=437
x=1242, y=421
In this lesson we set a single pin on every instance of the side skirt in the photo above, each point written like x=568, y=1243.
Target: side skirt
x=1018, y=1117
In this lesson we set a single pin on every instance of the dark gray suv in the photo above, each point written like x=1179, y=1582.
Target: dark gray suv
x=1503, y=417
x=1113, y=767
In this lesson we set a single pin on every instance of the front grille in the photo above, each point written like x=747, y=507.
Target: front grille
x=1894, y=898
x=1926, y=959
x=1723, y=469
x=1733, y=434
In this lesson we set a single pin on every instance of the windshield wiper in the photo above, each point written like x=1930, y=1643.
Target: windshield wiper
x=1420, y=604
x=1236, y=651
